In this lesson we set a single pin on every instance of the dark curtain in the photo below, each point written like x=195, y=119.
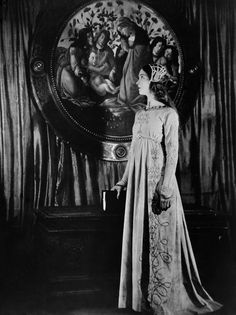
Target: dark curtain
x=208, y=142
x=38, y=169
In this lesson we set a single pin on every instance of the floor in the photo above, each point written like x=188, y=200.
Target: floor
x=26, y=290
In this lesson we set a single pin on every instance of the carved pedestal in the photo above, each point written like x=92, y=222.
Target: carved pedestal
x=81, y=240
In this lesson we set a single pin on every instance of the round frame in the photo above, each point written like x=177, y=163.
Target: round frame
x=97, y=125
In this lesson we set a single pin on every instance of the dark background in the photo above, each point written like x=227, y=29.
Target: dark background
x=40, y=171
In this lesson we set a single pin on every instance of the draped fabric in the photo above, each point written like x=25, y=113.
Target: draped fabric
x=64, y=177
x=15, y=110
x=38, y=169
x=208, y=142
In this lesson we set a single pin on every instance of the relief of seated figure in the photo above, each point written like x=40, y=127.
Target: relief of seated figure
x=72, y=79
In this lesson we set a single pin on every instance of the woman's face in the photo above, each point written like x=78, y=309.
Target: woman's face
x=126, y=31
x=157, y=48
x=101, y=40
x=92, y=58
x=90, y=39
x=168, y=53
x=143, y=83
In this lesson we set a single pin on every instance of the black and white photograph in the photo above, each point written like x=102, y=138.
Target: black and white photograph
x=117, y=157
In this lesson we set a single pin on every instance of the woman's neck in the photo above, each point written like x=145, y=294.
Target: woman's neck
x=151, y=102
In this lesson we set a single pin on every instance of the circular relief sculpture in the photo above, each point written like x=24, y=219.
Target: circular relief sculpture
x=38, y=66
x=120, y=151
x=88, y=70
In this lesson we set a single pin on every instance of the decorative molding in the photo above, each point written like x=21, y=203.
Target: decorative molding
x=92, y=124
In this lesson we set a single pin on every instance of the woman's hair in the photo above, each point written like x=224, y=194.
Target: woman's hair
x=82, y=39
x=157, y=40
x=158, y=89
x=174, y=53
x=106, y=33
x=125, y=22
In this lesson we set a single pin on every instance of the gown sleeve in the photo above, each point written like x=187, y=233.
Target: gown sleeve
x=171, y=138
x=124, y=179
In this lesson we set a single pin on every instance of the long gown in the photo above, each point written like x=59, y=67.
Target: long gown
x=158, y=265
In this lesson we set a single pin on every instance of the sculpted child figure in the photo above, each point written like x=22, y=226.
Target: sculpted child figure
x=101, y=84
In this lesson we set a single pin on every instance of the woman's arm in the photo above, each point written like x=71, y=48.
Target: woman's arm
x=121, y=184
x=75, y=66
x=171, y=139
x=99, y=69
x=124, y=180
x=174, y=76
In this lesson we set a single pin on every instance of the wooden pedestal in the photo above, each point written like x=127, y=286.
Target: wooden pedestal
x=84, y=243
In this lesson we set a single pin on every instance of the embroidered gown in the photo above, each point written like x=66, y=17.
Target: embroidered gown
x=158, y=263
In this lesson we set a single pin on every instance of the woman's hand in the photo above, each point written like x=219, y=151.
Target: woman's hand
x=162, y=199
x=77, y=71
x=118, y=189
x=166, y=197
x=165, y=203
x=156, y=208
x=112, y=74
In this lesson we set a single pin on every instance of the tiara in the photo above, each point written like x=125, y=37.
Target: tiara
x=158, y=73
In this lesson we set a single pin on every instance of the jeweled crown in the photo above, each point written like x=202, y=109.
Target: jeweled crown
x=158, y=73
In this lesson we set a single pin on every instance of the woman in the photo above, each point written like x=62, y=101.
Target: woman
x=158, y=269
x=105, y=60
x=137, y=43
x=170, y=61
x=120, y=57
x=72, y=70
x=157, y=48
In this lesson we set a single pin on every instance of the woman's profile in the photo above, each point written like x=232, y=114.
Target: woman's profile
x=158, y=269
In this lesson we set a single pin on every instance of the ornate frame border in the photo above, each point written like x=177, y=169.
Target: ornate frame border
x=50, y=104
